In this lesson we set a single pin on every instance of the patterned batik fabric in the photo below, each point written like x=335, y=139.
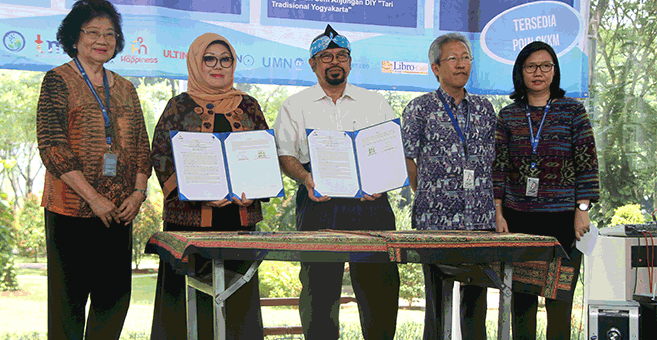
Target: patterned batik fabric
x=182, y=113
x=441, y=202
x=566, y=163
x=71, y=136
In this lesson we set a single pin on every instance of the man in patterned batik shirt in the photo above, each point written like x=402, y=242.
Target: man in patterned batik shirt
x=449, y=145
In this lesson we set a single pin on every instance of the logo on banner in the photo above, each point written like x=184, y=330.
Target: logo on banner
x=48, y=46
x=174, y=54
x=246, y=60
x=14, y=41
x=139, y=52
x=404, y=67
x=290, y=63
x=554, y=23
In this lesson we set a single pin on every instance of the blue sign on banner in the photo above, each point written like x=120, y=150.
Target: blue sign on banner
x=389, y=38
x=473, y=15
x=226, y=7
x=554, y=23
x=367, y=12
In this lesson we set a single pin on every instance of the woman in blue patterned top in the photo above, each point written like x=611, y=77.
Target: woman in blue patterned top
x=545, y=175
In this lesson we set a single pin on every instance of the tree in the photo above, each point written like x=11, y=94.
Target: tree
x=623, y=85
x=30, y=230
x=147, y=222
x=628, y=214
x=8, y=279
x=154, y=93
x=19, y=155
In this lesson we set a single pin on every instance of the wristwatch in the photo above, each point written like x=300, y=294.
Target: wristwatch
x=583, y=206
x=143, y=192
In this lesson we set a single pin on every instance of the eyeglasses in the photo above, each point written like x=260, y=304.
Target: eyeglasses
x=211, y=61
x=109, y=36
x=454, y=60
x=328, y=57
x=532, y=68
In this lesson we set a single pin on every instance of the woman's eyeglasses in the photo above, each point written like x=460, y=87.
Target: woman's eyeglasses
x=211, y=61
x=532, y=68
x=94, y=35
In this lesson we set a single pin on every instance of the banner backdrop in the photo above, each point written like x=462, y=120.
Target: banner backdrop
x=390, y=38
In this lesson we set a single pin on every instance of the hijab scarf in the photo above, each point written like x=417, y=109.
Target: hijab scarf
x=224, y=99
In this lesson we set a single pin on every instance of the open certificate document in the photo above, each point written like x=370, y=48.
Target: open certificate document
x=352, y=164
x=214, y=166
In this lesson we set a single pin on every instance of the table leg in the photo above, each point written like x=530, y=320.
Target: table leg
x=219, y=310
x=447, y=301
x=504, y=317
x=192, y=324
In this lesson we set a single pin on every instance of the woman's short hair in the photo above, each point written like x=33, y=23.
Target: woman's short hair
x=520, y=89
x=81, y=13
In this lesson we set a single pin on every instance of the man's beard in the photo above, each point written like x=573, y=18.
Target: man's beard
x=335, y=81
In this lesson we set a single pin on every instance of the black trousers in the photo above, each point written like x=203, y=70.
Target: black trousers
x=243, y=314
x=473, y=307
x=525, y=306
x=376, y=285
x=87, y=260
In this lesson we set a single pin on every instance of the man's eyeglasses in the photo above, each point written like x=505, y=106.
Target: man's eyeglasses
x=211, y=61
x=328, y=57
x=94, y=35
x=532, y=68
x=454, y=60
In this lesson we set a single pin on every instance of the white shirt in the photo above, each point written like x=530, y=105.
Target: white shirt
x=311, y=108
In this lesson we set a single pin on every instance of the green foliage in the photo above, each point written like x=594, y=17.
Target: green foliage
x=8, y=279
x=411, y=276
x=279, y=213
x=398, y=99
x=153, y=96
x=623, y=110
x=405, y=331
x=628, y=214
x=147, y=222
x=279, y=279
x=30, y=230
x=270, y=97
x=19, y=92
x=24, y=336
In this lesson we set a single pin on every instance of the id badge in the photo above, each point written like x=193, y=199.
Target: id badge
x=110, y=162
x=532, y=187
x=468, y=179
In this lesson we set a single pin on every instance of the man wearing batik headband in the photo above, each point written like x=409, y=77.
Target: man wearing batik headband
x=334, y=104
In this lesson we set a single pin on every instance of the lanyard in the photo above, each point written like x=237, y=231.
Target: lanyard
x=455, y=122
x=534, y=140
x=102, y=106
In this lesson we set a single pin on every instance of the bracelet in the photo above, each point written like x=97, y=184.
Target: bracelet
x=498, y=204
x=142, y=191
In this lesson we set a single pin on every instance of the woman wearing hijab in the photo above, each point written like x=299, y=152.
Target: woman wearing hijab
x=211, y=104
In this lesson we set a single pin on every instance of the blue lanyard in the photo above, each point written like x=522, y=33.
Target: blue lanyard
x=102, y=106
x=455, y=122
x=535, y=140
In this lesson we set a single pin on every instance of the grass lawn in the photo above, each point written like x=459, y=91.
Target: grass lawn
x=25, y=314
x=24, y=317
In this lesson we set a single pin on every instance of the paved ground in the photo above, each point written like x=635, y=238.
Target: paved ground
x=31, y=265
